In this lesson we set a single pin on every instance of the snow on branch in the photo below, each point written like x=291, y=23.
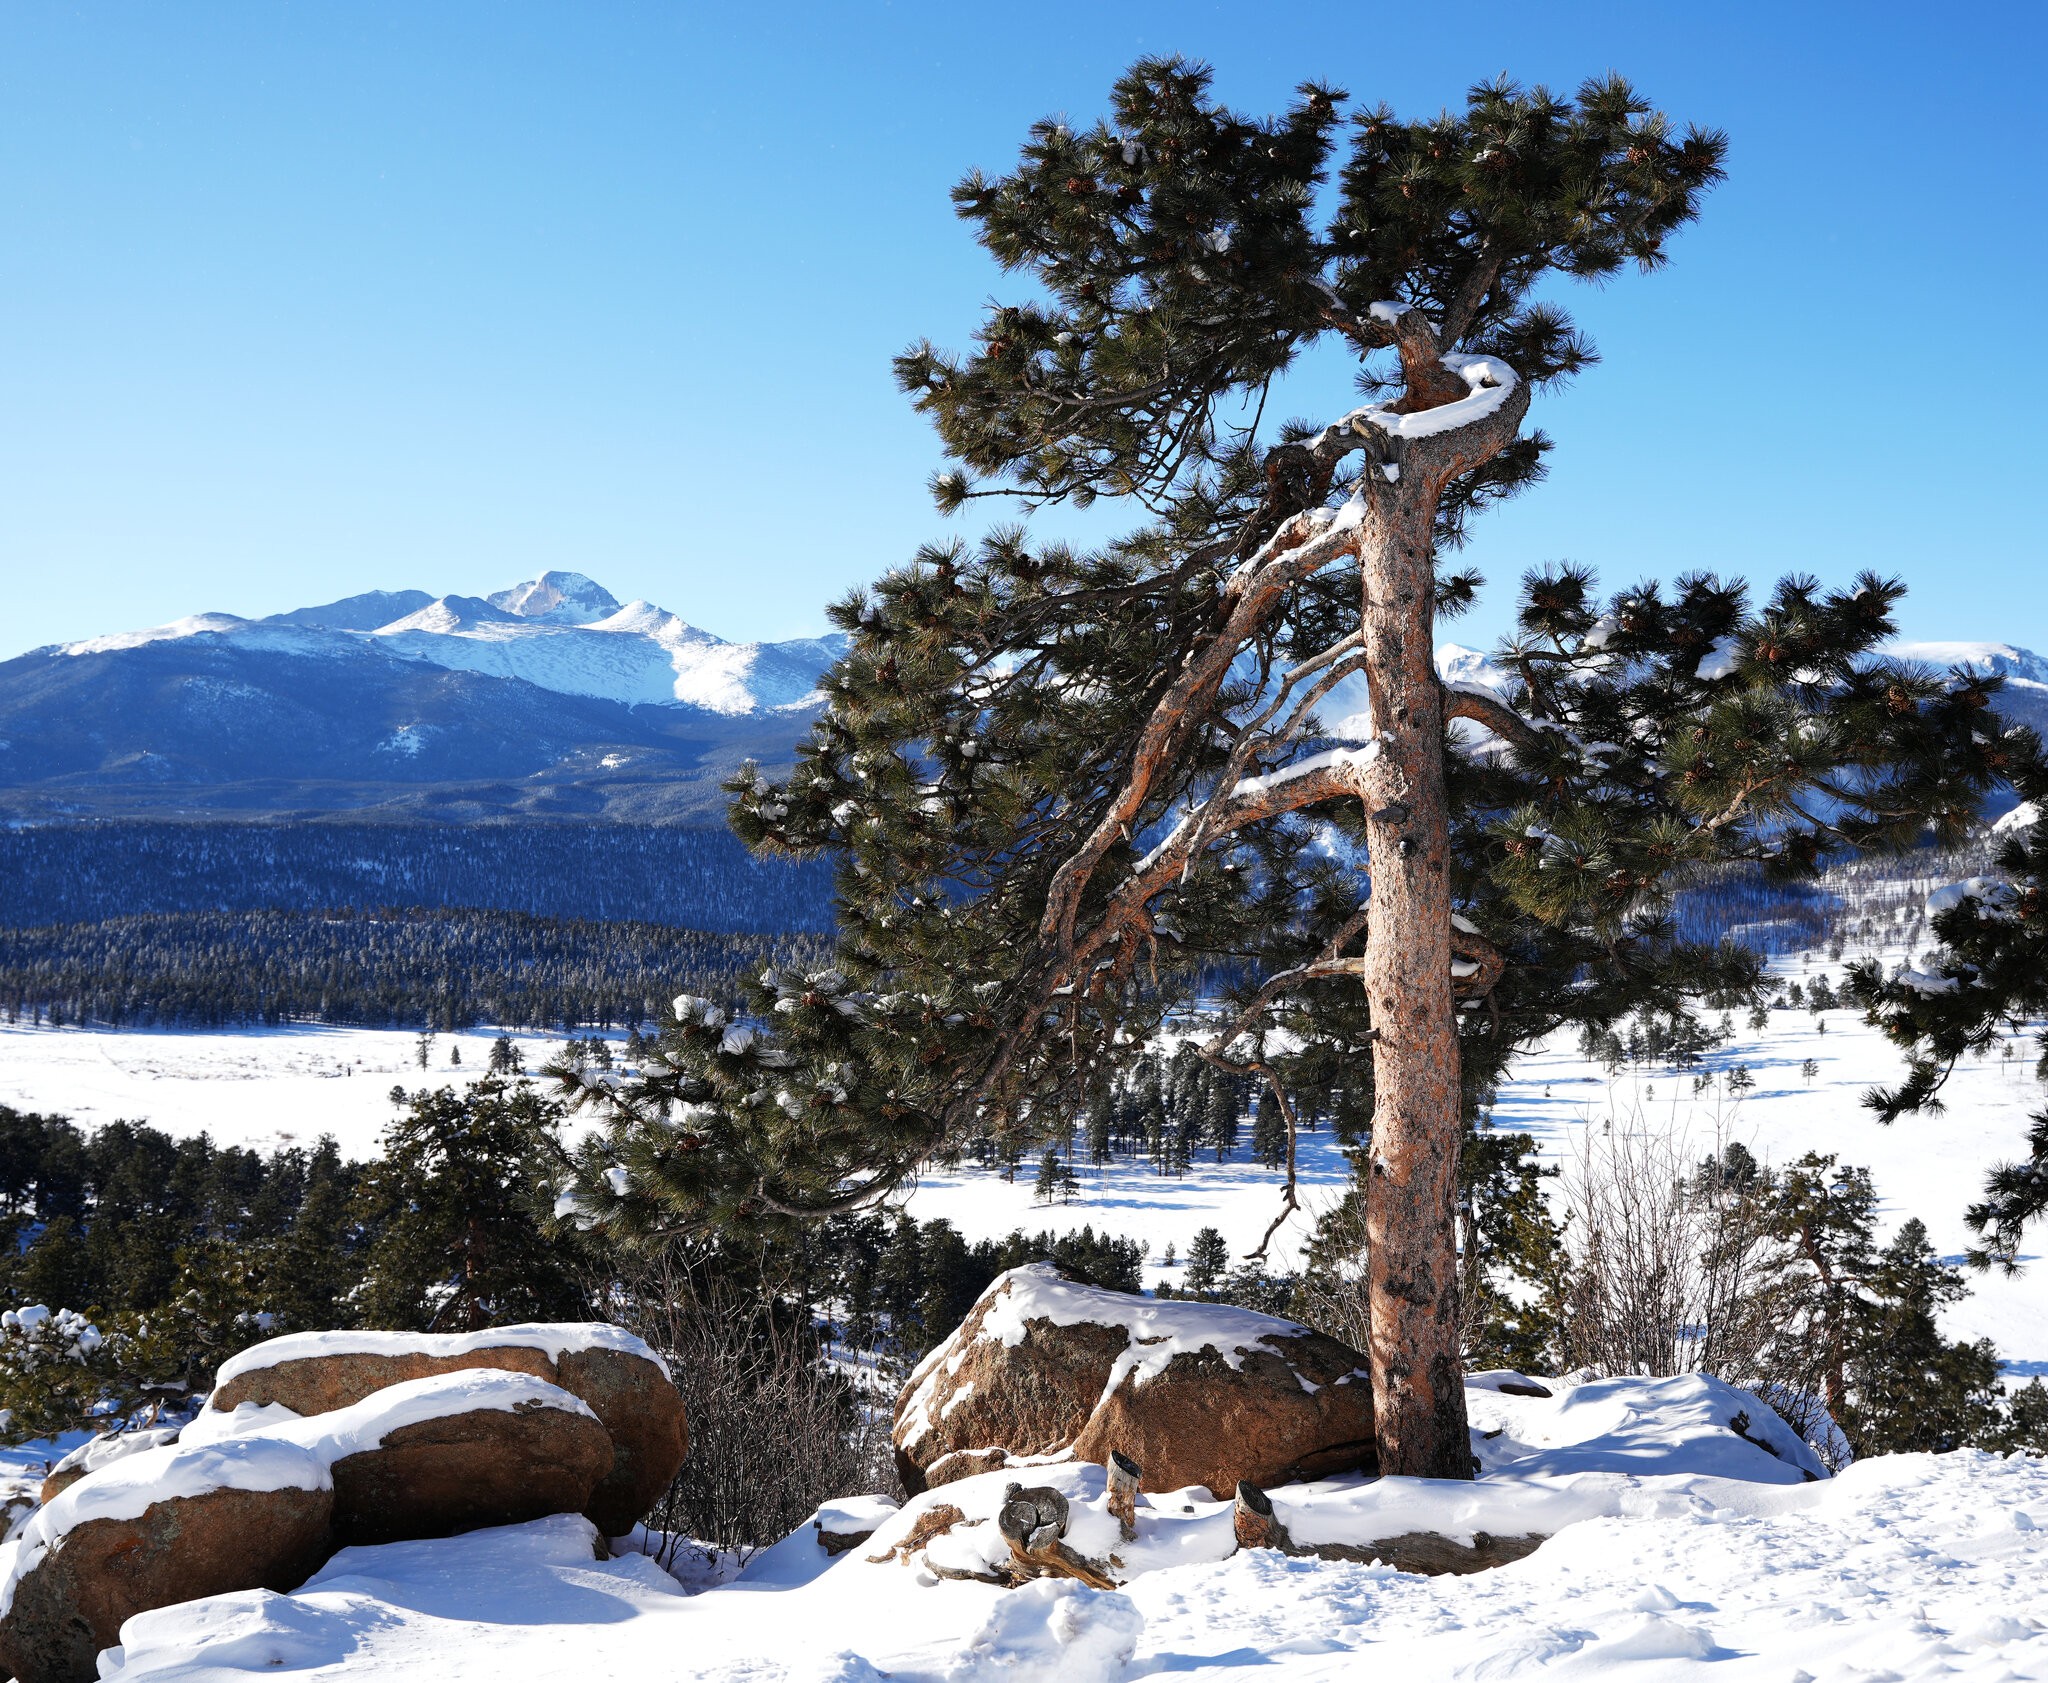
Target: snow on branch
x=1336, y=758
x=1488, y=382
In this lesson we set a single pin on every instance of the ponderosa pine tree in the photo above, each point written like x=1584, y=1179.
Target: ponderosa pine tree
x=1208, y=1260
x=457, y=1205
x=1066, y=785
x=1989, y=980
x=1912, y=1388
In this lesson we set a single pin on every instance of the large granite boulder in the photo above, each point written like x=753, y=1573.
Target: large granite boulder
x=257, y=1500
x=625, y=1384
x=160, y=1526
x=453, y=1452
x=1046, y=1368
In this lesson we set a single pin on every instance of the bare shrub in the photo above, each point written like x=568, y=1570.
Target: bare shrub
x=1333, y=1293
x=1673, y=1268
x=776, y=1427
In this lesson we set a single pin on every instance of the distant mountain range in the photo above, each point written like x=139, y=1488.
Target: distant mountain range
x=548, y=698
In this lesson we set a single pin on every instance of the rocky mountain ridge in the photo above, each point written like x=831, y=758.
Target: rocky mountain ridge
x=547, y=698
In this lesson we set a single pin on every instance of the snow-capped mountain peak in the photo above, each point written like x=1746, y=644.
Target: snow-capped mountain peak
x=561, y=632
x=558, y=599
x=449, y=615
x=2021, y=666
x=643, y=618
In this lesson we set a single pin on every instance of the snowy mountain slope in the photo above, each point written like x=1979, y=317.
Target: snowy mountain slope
x=547, y=697
x=232, y=726
x=560, y=632
x=357, y=613
x=639, y=654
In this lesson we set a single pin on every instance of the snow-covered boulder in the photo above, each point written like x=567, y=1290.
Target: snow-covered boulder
x=1552, y=1454
x=1046, y=1369
x=448, y=1453
x=257, y=1498
x=160, y=1526
x=624, y=1383
x=103, y=1451
x=850, y=1521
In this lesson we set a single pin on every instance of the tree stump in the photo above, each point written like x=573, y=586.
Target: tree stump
x=1256, y=1524
x=1033, y=1522
x=1124, y=1477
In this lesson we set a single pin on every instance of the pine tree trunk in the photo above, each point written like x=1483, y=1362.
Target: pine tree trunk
x=1411, y=1191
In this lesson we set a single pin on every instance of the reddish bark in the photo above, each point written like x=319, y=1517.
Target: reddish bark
x=1411, y=1190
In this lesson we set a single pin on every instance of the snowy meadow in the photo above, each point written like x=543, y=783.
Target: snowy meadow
x=269, y=1088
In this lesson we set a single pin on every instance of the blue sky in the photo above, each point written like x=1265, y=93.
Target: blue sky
x=300, y=300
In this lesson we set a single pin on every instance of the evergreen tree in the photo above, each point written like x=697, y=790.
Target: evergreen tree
x=1269, y=1133
x=2025, y=1426
x=59, y=1372
x=1822, y=1214
x=320, y=1258
x=55, y=1270
x=1511, y=1252
x=1208, y=1260
x=504, y=1059
x=1047, y=1187
x=1101, y=1118
x=1913, y=1389
x=1065, y=786
x=1989, y=980
x=1220, y=1118
x=1173, y=1150
x=458, y=1204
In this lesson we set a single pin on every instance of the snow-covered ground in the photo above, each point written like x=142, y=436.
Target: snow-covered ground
x=261, y=1088
x=1682, y=1558
x=273, y=1087
x=1904, y=1567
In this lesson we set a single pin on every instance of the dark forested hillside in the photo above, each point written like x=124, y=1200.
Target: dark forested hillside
x=418, y=968
x=658, y=873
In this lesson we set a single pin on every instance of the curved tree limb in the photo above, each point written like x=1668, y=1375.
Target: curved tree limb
x=1496, y=715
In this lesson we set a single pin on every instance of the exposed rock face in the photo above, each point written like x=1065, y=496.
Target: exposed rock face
x=481, y=1466
x=620, y=1379
x=640, y=1407
x=1045, y=1368
x=82, y=1572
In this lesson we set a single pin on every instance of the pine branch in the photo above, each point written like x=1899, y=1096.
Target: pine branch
x=1471, y=295
x=1496, y=715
